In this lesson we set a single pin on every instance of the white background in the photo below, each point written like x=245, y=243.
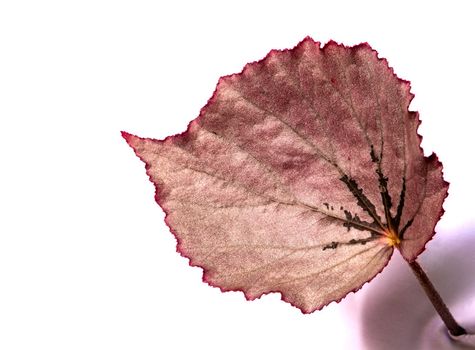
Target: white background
x=86, y=261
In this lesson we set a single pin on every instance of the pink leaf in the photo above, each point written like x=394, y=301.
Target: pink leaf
x=300, y=176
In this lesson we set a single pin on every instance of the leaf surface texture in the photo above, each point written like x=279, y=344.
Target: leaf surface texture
x=300, y=176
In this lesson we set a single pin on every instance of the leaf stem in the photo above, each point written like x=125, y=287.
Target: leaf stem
x=439, y=305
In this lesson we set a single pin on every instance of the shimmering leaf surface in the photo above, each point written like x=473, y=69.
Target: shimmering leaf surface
x=300, y=176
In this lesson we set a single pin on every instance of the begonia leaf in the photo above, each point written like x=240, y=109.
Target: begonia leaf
x=301, y=175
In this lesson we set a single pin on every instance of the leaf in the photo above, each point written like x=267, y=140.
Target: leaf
x=300, y=176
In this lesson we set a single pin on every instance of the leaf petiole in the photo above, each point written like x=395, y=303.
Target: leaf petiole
x=439, y=305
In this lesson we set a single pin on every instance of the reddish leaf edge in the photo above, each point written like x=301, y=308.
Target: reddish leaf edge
x=432, y=158
x=437, y=163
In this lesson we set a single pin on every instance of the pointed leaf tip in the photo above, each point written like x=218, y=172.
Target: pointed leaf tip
x=126, y=135
x=132, y=140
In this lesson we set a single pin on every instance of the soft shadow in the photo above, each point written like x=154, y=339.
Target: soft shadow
x=396, y=313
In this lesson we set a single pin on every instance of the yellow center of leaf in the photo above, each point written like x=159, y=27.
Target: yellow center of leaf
x=391, y=238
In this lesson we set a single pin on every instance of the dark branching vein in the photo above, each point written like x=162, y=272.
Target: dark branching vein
x=254, y=247
x=362, y=225
x=383, y=187
x=385, y=196
x=336, y=244
x=276, y=200
x=402, y=196
x=392, y=222
x=406, y=226
x=351, y=222
x=362, y=200
x=383, y=180
x=355, y=190
x=402, y=116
